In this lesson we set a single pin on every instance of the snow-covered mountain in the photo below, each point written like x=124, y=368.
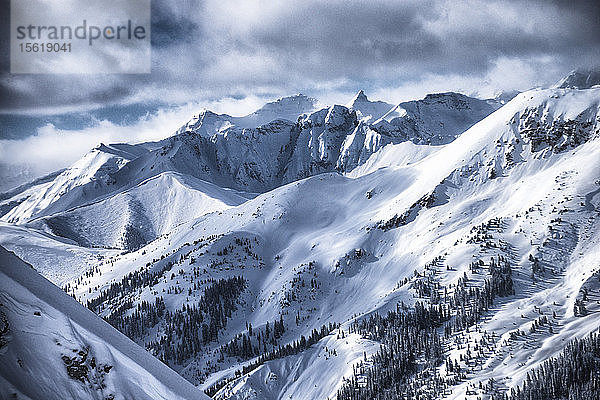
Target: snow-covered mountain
x=313, y=252
x=51, y=347
x=504, y=96
x=458, y=267
x=436, y=119
x=369, y=110
x=231, y=152
x=580, y=79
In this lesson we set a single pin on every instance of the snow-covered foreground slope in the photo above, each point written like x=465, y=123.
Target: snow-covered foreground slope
x=519, y=188
x=51, y=347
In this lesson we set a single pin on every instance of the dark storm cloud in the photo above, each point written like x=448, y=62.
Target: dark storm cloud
x=357, y=39
x=337, y=38
x=214, y=48
x=579, y=20
x=174, y=25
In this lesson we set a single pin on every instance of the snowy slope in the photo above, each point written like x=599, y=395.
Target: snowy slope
x=532, y=165
x=547, y=183
x=12, y=198
x=59, y=260
x=51, y=347
x=477, y=198
x=84, y=181
x=132, y=218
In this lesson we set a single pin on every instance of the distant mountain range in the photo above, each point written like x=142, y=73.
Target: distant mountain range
x=280, y=143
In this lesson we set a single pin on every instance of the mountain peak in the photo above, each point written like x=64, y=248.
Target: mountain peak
x=369, y=110
x=580, y=79
x=298, y=103
x=360, y=97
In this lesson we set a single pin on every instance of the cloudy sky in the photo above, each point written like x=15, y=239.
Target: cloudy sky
x=231, y=56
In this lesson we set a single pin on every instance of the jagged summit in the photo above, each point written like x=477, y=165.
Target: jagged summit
x=358, y=98
x=369, y=110
x=580, y=79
